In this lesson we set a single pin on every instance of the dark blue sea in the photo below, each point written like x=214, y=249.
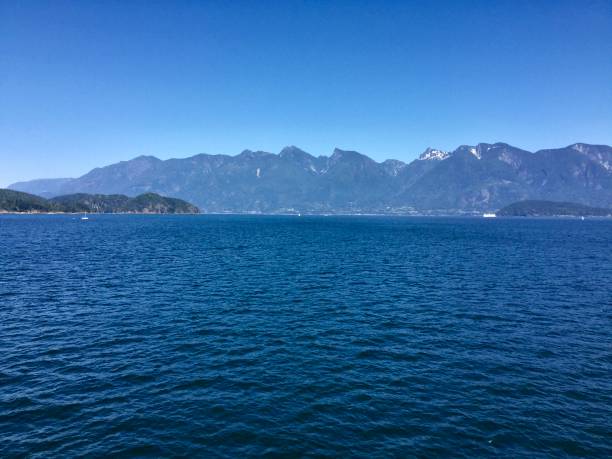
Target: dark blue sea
x=242, y=336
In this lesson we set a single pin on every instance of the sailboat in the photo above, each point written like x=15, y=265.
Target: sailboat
x=85, y=217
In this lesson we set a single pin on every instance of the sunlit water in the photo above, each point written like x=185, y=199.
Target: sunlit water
x=241, y=336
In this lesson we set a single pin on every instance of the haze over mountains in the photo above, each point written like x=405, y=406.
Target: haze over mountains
x=468, y=179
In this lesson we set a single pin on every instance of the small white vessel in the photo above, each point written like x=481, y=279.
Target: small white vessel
x=489, y=215
x=85, y=217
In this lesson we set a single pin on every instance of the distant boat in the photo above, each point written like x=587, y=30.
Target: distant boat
x=489, y=215
x=85, y=217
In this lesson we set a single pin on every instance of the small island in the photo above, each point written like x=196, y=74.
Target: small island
x=148, y=203
x=551, y=209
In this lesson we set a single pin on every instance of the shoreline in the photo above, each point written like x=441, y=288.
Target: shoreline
x=287, y=214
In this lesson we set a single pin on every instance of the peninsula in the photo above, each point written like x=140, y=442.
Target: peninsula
x=148, y=203
x=552, y=209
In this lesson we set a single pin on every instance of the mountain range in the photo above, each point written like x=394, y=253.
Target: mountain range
x=469, y=179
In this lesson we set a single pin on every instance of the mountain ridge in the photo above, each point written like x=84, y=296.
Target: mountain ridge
x=471, y=178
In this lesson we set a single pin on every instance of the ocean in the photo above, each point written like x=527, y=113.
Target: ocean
x=243, y=336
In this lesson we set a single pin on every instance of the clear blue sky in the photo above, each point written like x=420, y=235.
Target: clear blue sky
x=88, y=83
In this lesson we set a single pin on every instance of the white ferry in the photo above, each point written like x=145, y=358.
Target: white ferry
x=489, y=215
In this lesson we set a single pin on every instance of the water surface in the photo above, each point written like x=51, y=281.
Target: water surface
x=235, y=336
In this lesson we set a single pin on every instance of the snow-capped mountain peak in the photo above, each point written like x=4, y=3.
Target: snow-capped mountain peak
x=475, y=152
x=434, y=155
x=580, y=147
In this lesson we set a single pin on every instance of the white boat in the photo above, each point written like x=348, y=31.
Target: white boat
x=85, y=217
x=489, y=215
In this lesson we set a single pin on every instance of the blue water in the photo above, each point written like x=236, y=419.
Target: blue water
x=341, y=336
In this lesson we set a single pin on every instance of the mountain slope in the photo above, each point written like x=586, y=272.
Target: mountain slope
x=468, y=179
x=17, y=201
x=45, y=188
